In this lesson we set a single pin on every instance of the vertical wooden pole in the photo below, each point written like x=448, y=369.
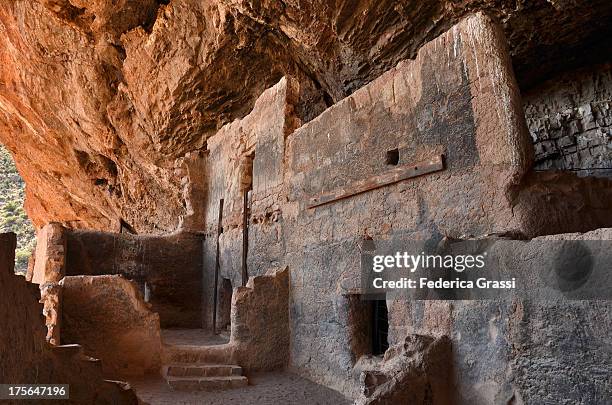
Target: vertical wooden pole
x=217, y=265
x=245, y=237
x=125, y=227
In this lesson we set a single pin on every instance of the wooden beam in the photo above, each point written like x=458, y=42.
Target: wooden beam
x=393, y=176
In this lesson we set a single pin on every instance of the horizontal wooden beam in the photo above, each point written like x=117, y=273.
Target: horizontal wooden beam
x=390, y=177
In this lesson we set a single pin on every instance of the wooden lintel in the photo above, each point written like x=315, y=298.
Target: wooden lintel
x=391, y=177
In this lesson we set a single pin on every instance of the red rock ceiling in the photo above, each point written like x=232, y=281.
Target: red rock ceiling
x=100, y=100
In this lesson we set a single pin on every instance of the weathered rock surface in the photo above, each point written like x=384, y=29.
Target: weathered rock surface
x=527, y=348
x=415, y=371
x=51, y=297
x=100, y=102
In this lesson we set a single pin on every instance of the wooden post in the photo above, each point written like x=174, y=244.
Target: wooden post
x=215, y=292
x=245, y=237
x=124, y=226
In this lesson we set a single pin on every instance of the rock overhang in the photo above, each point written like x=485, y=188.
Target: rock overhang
x=112, y=92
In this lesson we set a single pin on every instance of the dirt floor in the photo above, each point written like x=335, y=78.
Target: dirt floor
x=279, y=388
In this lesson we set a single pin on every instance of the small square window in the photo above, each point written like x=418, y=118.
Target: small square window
x=392, y=157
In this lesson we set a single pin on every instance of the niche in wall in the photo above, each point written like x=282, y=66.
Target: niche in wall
x=392, y=157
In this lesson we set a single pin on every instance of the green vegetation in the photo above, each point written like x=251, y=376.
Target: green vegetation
x=12, y=216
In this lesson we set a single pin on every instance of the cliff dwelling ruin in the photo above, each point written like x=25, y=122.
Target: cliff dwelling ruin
x=206, y=178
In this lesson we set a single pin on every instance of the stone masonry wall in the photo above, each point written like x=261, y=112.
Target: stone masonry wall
x=171, y=267
x=247, y=153
x=458, y=99
x=570, y=121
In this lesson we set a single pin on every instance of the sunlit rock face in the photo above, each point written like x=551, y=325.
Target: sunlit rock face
x=106, y=105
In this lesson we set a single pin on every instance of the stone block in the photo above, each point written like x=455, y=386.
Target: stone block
x=50, y=254
x=413, y=371
x=566, y=141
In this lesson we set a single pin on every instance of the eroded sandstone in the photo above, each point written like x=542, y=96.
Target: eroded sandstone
x=101, y=102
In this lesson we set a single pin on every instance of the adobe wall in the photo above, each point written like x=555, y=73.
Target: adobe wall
x=171, y=266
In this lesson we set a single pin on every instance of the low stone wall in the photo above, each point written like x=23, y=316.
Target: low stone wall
x=260, y=322
x=260, y=335
x=108, y=316
x=171, y=267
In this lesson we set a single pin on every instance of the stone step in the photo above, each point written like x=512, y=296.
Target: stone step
x=207, y=383
x=201, y=370
x=218, y=354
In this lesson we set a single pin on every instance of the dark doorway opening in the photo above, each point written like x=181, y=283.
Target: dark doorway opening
x=247, y=187
x=224, y=309
x=368, y=322
x=380, y=327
